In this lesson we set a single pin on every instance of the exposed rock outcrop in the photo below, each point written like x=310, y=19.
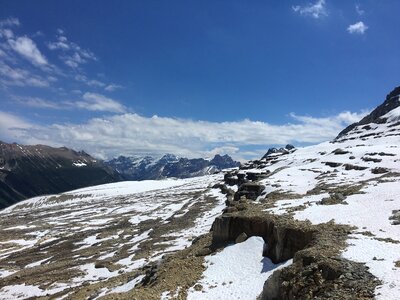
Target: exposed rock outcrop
x=283, y=239
x=317, y=271
x=251, y=190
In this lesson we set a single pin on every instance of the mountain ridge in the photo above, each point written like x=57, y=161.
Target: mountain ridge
x=32, y=170
x=391, y=102
x=169, y=165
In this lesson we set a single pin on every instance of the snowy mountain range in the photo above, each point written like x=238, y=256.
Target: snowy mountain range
x=319, y=222
x=148, y=167
x=27, y=171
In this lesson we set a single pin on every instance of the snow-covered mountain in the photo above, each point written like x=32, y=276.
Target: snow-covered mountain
x=27, y=171
x=148, y=167
x=320, y=222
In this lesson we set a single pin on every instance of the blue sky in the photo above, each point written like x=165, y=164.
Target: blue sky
x=193, y=78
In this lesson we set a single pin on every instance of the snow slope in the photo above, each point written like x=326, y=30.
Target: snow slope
x=362, y=169
x=99, y=234
x=237, y=272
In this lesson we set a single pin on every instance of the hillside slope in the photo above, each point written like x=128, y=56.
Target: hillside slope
x=27, y=171
x=353, y=181
x=319, y=222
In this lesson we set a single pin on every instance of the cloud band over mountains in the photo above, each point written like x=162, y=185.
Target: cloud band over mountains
x=130, y=133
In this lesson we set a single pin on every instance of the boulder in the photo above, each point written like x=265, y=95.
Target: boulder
x=251, y=190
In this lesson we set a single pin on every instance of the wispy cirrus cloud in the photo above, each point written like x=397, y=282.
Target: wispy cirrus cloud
x=98, y=102
x=131, y=133
x=315, y=10
x=357, y=28
x=89, y=101
x=359, y=10
x=90, y=82
x=40, y=103
x=14, y=76
x=26, y=62
x=29, y=50
x=112, y=87
x=71, y=53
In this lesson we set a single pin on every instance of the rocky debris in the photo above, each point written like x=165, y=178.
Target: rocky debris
x=395, y=217
x=150, y=275
x=340, y=151
x=224, y=189
x=315, y=277
x=234, y=178
x=251, y=190
x=253, y=176
x=367, y=159
x=379, y=170
x=380, y=154
x=334, y=198
x=332, y=164
x=391, y=102
x=348, y=167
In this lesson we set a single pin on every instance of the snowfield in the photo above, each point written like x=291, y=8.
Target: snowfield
x=237, y=272
x=101, y=233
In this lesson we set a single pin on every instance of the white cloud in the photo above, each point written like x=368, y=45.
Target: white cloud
x=12, y=76
x=89, y=82
x=9, y=22
x=7, y=33
x=28, y=49
x=40, y=103
x=112, y=87
x=316, y=10
x=12, y=127
x=134, y=134
x=358, y=28
x=98, y=102
x=72, y=54
x=90, y=101
x=359, y=10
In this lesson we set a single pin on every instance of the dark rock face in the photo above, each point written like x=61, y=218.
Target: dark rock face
x=282, y=242
x=317, y=271
x=251, y=190
x=28, y=171
x=391, y=102
x=142, y=168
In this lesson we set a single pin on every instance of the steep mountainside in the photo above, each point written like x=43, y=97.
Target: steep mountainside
x=142, y=168
x=376, y=116
x=27, y=171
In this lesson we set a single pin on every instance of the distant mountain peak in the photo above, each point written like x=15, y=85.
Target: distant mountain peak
x=31, y=170
x=169, y=165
